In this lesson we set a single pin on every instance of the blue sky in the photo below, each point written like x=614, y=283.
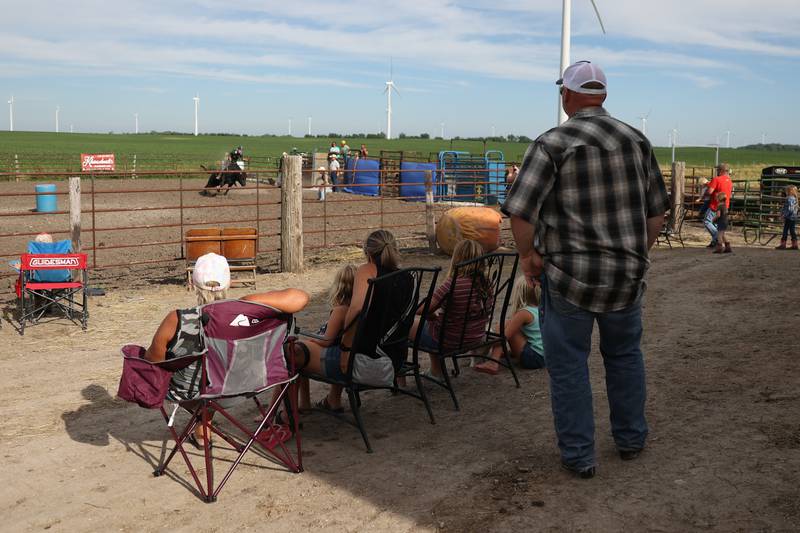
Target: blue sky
x=702, y=66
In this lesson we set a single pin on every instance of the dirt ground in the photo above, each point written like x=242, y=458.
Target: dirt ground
x=723, y=407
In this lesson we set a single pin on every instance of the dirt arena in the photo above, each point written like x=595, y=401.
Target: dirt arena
x=724, y=405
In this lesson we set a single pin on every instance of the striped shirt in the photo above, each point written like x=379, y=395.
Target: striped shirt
x=466, y=312
x=588, y=187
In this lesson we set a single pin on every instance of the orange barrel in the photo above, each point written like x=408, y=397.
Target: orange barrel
x=195, y=249
x=239, y=248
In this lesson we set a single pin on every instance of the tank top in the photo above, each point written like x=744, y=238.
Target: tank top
x=531, y=330
x=186, y=341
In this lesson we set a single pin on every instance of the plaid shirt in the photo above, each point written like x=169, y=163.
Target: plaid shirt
x=588, y=187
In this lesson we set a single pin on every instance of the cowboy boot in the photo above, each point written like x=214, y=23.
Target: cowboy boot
x=718, y=249
x=794, y=245
x=782, y=245
x=727, y=249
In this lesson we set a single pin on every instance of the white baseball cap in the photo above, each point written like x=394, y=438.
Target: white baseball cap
x=212, y=268
x=582, y=73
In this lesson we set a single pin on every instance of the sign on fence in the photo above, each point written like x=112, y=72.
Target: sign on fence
x=91, y=162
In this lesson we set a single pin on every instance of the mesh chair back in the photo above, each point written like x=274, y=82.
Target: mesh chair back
x=58, y=247
x=244, y=343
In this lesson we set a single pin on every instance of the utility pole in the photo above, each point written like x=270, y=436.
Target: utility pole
x=674, y=142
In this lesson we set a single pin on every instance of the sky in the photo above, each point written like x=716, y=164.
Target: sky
x=703, y=67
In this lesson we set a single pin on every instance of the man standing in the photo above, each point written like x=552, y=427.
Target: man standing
x=585, y=209
x=333, y=168
x=721, y=183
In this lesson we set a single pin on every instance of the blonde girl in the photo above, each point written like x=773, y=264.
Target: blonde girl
x=522, y=331
x=339, y=296
x=789, y=214
x=460, y=309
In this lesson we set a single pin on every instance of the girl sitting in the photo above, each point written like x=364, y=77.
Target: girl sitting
x=339, y=296
x=522, y=331
x=465, y=314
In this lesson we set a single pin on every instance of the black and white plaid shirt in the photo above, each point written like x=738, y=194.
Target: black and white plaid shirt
x=588, y=187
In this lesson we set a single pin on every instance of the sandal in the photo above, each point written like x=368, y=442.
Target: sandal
x=324, y=405
x=274, y=435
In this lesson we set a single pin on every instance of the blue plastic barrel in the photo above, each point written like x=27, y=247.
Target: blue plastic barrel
x=46, y=203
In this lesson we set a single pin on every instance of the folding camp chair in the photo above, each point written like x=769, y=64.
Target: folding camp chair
x=45, y=283
x=673, y=228
x=245, y=345
x=500, y=269
x=379, y=354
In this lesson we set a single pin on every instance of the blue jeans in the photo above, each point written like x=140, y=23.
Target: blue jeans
x=789, y=228
x=708, y=221
x=567, y=336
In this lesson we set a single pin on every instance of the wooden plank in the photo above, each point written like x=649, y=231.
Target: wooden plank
x=292, y=214
x=75, y=213
x=677, y=189
x=430, y=215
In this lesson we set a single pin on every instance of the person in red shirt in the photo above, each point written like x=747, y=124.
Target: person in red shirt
x=720, y=184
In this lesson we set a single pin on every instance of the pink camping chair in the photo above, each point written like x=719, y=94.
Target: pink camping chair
x=244, y=357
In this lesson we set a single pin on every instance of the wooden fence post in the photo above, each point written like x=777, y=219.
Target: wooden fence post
x=292, y=214
x=75, y=213
x=677, y=190
x=430, y=216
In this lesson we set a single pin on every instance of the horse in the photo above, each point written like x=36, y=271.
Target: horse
x=234, y=173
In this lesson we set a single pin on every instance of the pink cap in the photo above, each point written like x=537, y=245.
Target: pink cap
x=212, y=268
x=582, y=73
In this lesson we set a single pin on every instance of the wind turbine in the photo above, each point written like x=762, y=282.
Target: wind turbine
x=566, y=16
x=309, y=126
x=442, y=125
x=728, y=141
x=196, y=99
x=136, y=123
x=58, y=108
x=644, y=122
x=11, y=114
x=388, y=91
x=290, y=126
x=674, y=142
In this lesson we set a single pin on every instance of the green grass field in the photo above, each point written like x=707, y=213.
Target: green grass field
x=36, y=151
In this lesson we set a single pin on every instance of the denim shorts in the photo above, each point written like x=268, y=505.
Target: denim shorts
x=330, y=363
x=530, y=358
x=427, y=342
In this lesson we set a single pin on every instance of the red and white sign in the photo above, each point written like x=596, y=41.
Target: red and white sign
x=91, y=162
x=55, y=262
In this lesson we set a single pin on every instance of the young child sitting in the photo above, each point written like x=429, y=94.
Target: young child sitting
x=522, y=331
x=339, y=295
x=723, y=244
x=466, y=313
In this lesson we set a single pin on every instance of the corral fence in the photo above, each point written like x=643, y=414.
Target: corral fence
x=754, y=204
x=122, y=223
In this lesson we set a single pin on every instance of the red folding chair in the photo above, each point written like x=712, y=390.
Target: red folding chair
x=245, y=346
x=64, y=297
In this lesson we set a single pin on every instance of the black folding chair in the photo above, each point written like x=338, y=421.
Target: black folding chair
x=667, y=234
x=499, y=270
x=379, y=354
